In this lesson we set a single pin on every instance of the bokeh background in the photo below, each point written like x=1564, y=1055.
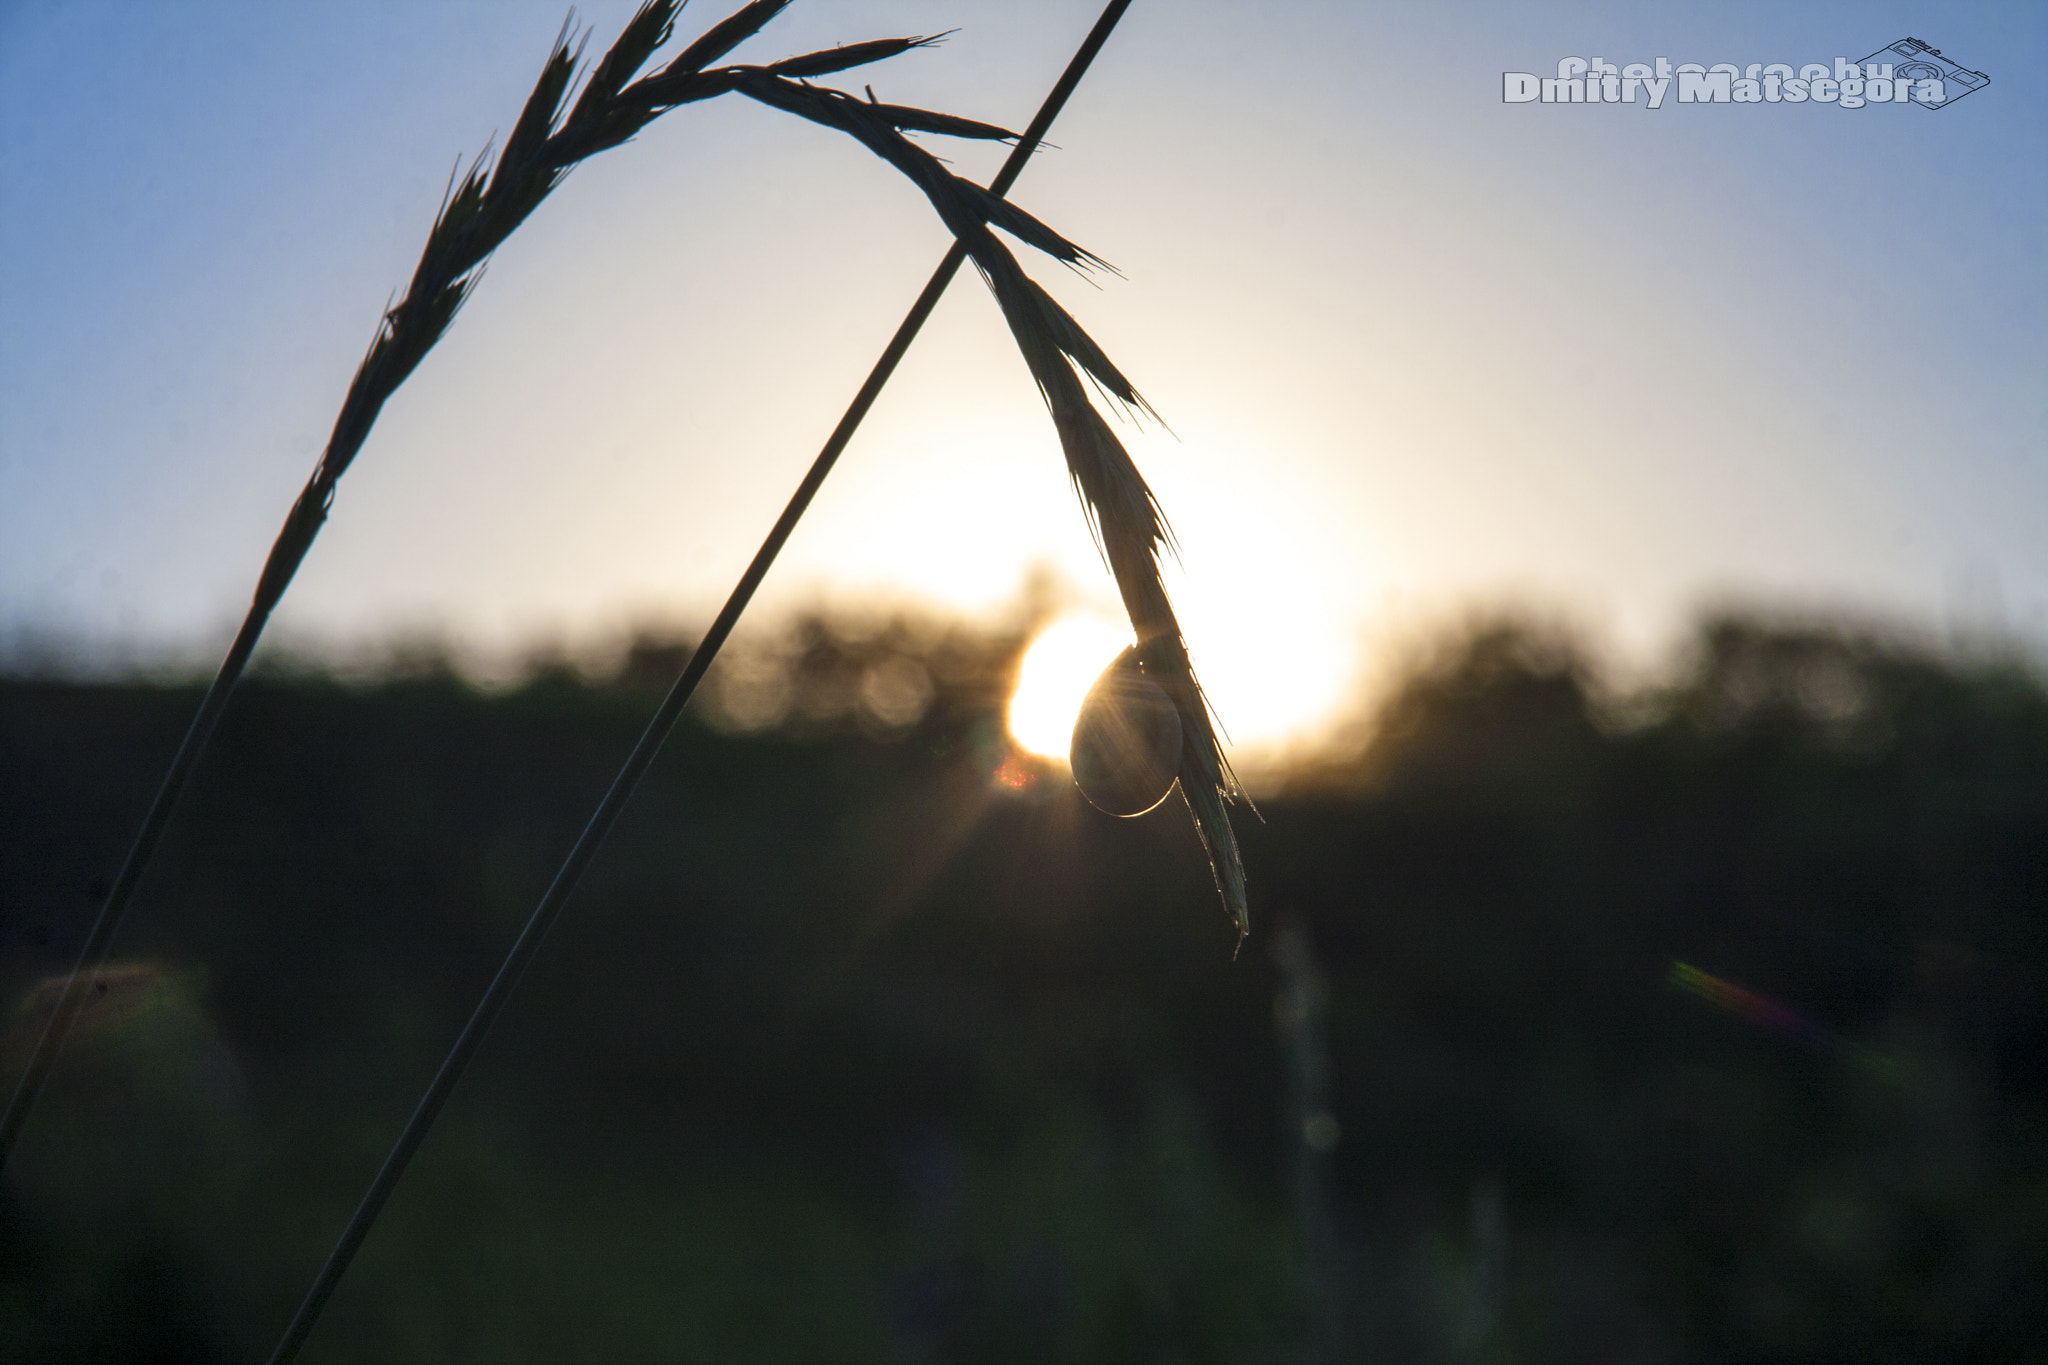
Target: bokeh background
x=1610, y=537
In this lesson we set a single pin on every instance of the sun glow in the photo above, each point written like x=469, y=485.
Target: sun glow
x=1058, y=669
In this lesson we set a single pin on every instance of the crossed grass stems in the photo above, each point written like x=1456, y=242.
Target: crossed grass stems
x=484, y=206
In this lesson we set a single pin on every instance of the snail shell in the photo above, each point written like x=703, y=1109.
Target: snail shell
x=1126, y=748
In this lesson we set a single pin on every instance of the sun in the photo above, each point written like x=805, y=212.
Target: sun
x=1062, y=663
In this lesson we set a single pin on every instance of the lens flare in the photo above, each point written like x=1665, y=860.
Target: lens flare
x=1762, y=1010
x=1058, y=669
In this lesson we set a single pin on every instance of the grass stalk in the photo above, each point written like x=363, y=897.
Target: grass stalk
x=484, y=206
x=663, y=721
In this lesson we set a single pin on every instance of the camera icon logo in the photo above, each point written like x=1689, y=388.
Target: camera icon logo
x=1914, y=60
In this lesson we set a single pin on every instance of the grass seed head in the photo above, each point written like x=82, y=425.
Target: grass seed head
x=483, y=209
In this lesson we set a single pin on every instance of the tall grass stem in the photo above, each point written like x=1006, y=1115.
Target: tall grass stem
x=101, y=938
x=664, y=719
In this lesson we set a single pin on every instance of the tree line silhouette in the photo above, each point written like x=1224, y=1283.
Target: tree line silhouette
x=1705, y=1022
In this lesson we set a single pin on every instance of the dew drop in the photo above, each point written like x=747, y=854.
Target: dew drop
x=1126, y=747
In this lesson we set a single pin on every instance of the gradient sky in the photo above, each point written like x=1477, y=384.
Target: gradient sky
x=1422, y=351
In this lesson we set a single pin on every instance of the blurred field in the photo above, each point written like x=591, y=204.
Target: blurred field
x=1709, y=1024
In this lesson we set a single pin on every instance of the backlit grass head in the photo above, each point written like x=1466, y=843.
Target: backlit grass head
x=1122, y=512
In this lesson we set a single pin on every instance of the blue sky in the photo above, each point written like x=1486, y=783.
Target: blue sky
x=1422, y=351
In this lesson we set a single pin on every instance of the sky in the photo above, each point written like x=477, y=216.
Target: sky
x=1423, y=353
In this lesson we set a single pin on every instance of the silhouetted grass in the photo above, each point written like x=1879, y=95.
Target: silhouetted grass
x=641, y=757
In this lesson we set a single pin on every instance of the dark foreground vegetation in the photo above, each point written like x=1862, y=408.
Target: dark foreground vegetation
x=1705, y=1027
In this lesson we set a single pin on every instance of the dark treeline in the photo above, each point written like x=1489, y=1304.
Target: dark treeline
x=1702, y=1025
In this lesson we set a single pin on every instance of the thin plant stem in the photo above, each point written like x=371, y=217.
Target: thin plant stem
x=97, y=942
x=483, y=207
x=642, y=757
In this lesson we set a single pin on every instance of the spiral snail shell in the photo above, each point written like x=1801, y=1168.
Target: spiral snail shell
x=1126, y=747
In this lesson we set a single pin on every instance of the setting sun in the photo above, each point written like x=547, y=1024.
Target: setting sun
x=1058, y=669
